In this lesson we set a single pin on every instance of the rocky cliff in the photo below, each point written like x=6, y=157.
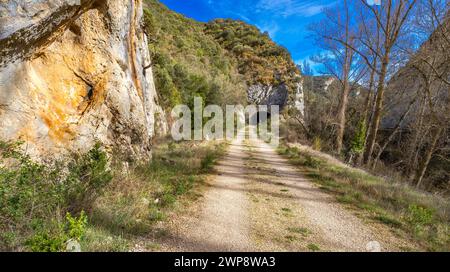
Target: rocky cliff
x=268, y=69
x=73, y=72
x=269, y=95
x=426, y=74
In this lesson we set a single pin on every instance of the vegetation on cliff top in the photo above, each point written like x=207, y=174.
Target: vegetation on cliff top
x=216, y=61
x=260, y=59
x=187, y=62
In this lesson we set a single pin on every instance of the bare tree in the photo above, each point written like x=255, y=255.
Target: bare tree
x=336, y=34
x=391, y=18
x=394, y=132
x=432, y=64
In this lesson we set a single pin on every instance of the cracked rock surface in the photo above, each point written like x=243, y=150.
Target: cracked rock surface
x=73, y=72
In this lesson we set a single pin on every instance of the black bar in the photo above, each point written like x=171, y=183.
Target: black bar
x=264, y=262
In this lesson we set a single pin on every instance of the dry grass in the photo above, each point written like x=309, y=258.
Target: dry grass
x=423, y=216
x=140, y=196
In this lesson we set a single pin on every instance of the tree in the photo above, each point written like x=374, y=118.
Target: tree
x=433, y=66
x=336, y=34
x=390, y=18
x=429, y=66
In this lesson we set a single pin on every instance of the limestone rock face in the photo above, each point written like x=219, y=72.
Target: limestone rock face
x=73, y=72
x=269, y=95
x=299, y=99
x=431, y=64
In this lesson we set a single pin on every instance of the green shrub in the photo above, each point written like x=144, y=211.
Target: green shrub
x=357, y=144
x=35, y=197
x=312, y=162
x=419, y=217
x=208, y=162
x=88, y=175
x=171, y=147
x=76, y=226
x=47, y=241
x=168, y=199
x=53, y=237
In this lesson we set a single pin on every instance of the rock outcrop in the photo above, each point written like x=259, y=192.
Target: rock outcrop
x=269, y=95
x=426, y=74
x=73, y=72
x=299, y=99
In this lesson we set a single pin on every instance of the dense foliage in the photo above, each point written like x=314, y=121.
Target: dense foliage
x=216, y=61
x=260, y=59
x=187, y=62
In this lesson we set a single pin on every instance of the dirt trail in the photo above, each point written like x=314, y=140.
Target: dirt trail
x=259, y=202
x=221, y=223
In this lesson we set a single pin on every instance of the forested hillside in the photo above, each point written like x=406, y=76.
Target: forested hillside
x=260, y=59
x=217, y=60
x=187, y=62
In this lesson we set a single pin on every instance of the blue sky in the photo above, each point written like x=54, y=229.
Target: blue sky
x=286, y=21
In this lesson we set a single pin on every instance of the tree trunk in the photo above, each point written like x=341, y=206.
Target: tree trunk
x=392, y=135
x=426, y=160
x=345, y=85
x=369, y=95
x=412, y=157
x=378, y=111
x=360, y=157
x=341, y=116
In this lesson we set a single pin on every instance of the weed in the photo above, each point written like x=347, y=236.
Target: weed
x=313, y=247
x=312, y=162
x=419, y=218
x=300, y=230
x=156, y=214
x=53, y=237
x=290, y=238
x=207, y=162
x=388, y=220
x=76, y=226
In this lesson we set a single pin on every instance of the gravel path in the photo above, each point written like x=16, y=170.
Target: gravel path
x=334, y=228
x=221, y=223
x=257, y=201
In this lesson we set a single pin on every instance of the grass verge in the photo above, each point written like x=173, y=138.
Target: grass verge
x=99, y=203
x=425, y=217
x=140, y=197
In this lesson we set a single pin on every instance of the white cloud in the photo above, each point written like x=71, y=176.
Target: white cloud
x=272, y=28
x=288, y=8
x=316, y=67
